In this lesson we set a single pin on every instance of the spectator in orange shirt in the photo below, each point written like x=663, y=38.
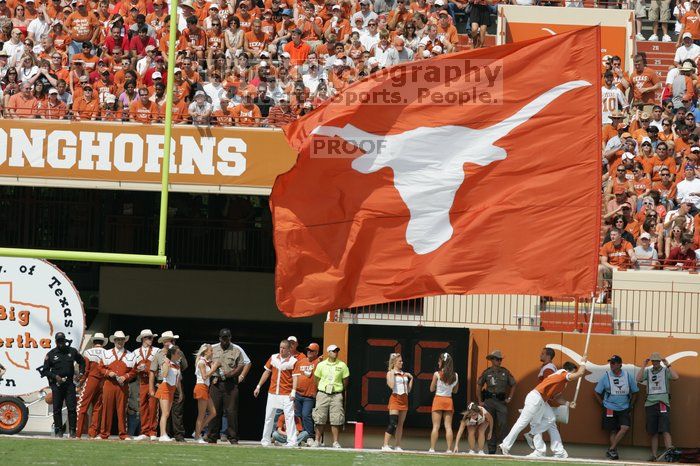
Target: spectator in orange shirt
x=83, y=26
x=52, y=108
x=21, y=104
x=246, y=113
x=87, y=107
x=615, y=253
x=143, y=110
x=193, y=38
x=446, y=31
x=306, y=387
x=337, y=25
x=297, y=50
x=645, y=84
x=255, y=42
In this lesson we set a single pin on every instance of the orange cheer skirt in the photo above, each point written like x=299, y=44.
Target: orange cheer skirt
x=398, y=402
x=165, y=392
x=201, y=392
x=443, y=403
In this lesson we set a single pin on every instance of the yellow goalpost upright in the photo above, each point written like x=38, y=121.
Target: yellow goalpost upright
x=144, y=259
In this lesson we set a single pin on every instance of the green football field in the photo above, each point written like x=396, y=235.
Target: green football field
x=43, y=451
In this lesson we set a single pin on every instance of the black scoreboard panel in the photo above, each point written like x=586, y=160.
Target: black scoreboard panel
x=420, y=347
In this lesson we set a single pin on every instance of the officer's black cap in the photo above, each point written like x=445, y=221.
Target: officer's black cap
x=60, y=336
x=224, y=332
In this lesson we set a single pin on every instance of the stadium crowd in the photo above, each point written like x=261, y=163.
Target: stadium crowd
x=306, y=391
x=265, y=63
x=241, y=62
x=651, y=171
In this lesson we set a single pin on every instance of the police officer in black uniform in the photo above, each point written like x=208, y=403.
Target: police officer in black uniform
x=59, y=368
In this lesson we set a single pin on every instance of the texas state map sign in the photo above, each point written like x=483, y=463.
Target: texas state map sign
x=37, y=300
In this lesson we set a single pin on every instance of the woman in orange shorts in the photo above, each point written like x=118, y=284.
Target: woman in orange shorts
x=445, y=382
x=170, y=372
x=203, y=370
x=400, y=383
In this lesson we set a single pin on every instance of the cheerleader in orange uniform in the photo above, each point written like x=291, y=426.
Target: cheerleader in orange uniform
x=203, y=370
x=445, y=382
x=166, y=390
x=400, y=383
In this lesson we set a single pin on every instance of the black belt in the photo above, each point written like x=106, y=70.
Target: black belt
x=330, y=393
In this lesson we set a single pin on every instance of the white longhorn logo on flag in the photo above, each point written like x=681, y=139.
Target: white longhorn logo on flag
x=428, y=164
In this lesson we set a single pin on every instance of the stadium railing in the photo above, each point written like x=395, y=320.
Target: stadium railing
x=623, y=312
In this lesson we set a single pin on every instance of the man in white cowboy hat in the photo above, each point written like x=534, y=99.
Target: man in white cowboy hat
x=91, y=387
x=119, y=370
x=148, y=405
x=176, y=424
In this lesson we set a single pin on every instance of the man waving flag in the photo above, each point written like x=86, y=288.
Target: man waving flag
x=475, y=172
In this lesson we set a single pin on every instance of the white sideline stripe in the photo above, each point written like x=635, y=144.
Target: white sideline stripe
x=248, y=443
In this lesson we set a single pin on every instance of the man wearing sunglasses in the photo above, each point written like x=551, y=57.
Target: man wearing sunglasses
x=665, y=186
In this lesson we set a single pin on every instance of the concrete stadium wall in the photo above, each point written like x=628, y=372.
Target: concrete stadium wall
x=659, y=301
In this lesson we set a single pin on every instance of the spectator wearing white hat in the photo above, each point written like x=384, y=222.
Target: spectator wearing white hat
x=293, y=345
x=331, y=377
x=687, y=51
x=647, y=256
x=119, y=370
x=91, y=387
x=176, y=426
x=200, y=110
x=148, y=405
x=657, y=405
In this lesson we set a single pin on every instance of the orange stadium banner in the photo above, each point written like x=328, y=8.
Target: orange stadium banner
x=91, y=153
x=475, y=172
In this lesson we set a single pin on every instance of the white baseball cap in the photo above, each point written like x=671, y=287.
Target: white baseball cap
x=332, y=348
x=292, y=338
x=157, y=75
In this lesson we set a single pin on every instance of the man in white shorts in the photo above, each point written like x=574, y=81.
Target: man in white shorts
x=535, y=412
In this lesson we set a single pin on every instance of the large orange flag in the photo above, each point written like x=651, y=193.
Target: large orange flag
x=475, y=172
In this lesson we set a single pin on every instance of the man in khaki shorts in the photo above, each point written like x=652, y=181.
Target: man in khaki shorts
x=331, y=377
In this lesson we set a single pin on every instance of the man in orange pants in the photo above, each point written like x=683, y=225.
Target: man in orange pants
x=91, y=389
x=119, y=370
x=148, y=405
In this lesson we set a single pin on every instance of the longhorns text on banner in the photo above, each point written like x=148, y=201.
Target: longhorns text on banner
x=427, y=180
x=36, y=301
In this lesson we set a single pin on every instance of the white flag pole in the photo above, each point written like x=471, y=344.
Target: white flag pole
x=585, y=349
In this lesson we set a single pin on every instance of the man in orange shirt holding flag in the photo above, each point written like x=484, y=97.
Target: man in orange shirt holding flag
x=534, y=412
